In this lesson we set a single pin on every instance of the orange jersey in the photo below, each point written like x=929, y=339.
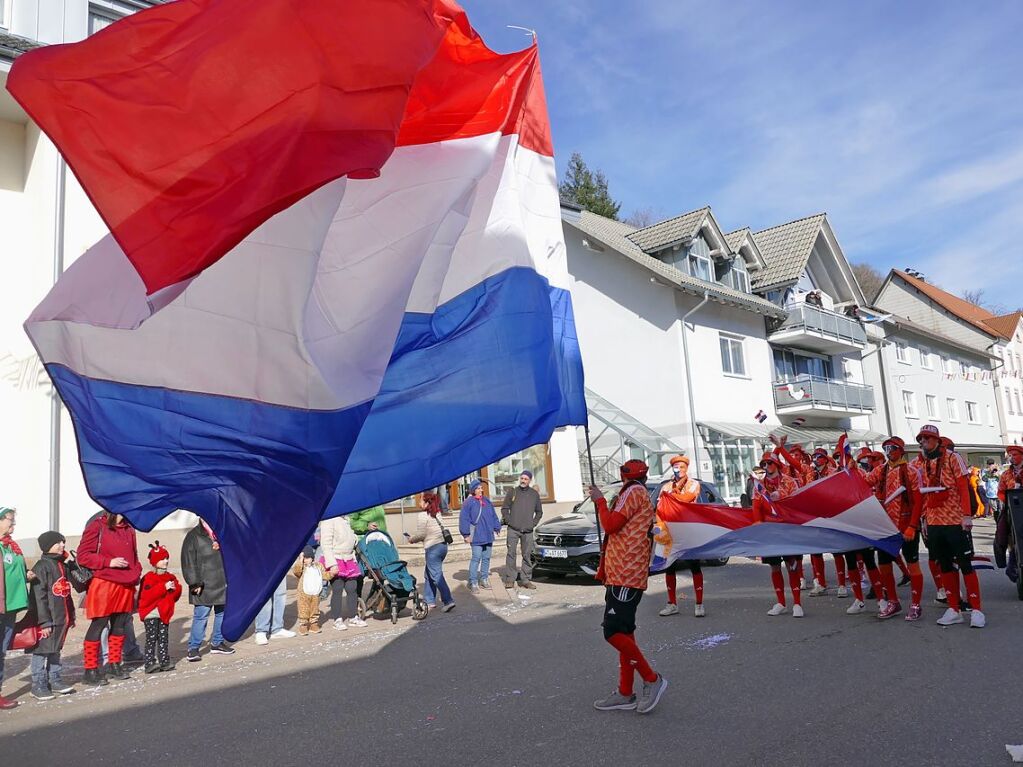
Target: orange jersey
x=626, y=560
x=948, y=505
x=1011, y=479
x=781, y=487
x=899, y=483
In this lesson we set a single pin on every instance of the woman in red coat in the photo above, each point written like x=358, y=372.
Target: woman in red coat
x=108, y=548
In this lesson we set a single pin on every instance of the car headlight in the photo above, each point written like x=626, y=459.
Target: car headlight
x=592, y=538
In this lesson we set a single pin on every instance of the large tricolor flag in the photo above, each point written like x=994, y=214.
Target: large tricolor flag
x=835, y=514
x=335, y=275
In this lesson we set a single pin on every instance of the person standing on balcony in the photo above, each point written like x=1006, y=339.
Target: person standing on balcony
x=682, y=488
x=521, y=511
x=774, y=487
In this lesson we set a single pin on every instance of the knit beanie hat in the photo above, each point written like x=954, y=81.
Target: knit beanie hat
x=157, y=554
x=48, y=539
x=308, y=552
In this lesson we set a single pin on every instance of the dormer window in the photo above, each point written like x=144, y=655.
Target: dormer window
x=699, y=267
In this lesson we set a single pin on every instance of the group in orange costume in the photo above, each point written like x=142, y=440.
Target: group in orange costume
x=681, y=487
x=775, y=486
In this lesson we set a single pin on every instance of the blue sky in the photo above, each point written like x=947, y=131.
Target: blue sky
x=903, y=121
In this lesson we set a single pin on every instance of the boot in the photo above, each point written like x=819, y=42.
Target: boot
x=303, y=627
x=167, y=665
x=94, y=678
x=118, y=671
x=152, y=667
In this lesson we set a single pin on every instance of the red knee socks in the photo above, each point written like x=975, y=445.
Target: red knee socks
x=951, y=584
x=629, y=653
x=91, y=654
x=972, y=590
x=115, y=646
x=779, y=585
x=874, y=576
x=936, y=573
x=817, y=565
x=916, y=583
x=672, y=583
x=887, y=577
x=626, y=675
x=795, y=575
x=902, y=566
x=698, y=587
x=839, y=569
x=857, y=587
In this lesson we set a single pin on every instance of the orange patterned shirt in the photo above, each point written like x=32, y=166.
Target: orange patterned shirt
x=945, y=507
x=1010, y=480
x=900, y=507
x=627, y=553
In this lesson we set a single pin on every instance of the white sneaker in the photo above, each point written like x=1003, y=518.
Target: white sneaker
x=261, y=638
x=778, y=609
x=282, y=634
x=882, y=605
x=797, y=611
x=357, y=622
x=941, y=597
x=699, y=612
x=339, y=624
x=856, y=607
x=818, y=590
x=842, y=592
x=950, y=618
x=977, y=620
x=668, y=609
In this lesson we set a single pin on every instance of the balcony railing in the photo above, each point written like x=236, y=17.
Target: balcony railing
x=813, y=319
x=815, y=392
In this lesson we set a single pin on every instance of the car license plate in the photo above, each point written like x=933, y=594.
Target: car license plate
x=554, y=553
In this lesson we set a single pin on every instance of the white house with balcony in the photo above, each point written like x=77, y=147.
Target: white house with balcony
x=940, y=363
x=682, y=298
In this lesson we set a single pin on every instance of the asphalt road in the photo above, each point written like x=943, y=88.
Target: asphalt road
x=508, y=681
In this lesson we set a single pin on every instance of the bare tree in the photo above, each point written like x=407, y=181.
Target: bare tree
x=870, y=280
x=976, y=296
x=642, y=217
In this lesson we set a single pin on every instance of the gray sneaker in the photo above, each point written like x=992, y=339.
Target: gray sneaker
x=651, y=695
x=616, y=702
x=474, y=589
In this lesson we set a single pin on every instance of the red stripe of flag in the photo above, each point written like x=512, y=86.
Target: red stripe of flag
x=191, y=123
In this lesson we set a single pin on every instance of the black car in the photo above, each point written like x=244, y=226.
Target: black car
x=569, y=544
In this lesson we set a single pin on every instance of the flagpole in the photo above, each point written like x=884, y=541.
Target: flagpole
x=593, y=480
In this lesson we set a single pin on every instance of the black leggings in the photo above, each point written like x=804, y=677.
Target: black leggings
x=118, y=623
x=868, y=559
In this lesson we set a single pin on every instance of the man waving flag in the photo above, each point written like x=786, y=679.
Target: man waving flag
x=316, y=262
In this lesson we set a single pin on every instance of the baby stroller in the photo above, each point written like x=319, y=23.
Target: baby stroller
x=392, y=584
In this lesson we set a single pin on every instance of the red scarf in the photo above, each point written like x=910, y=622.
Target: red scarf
x=10, y=543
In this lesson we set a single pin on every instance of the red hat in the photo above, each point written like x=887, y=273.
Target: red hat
x=928, y=430
x=898, y=442
x=877, y=455
x=864, y=452
x=1014, y=449
x=634, y=469
x=679, y=459
x=796, y=449
x=772, y=458
x=157, y=553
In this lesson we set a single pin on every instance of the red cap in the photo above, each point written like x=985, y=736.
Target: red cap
x=634, y=469
x=157, y=553
x=928, y=430
x=1014, y=449
x=772, y=458
x=898, y=442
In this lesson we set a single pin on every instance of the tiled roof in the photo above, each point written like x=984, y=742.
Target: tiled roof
x=903, y=323
x=615, y=234
x=12, y=46
x=786, y=249
x=734, y=239
x=656, y=236
x=961, y=308
x=1005, y=325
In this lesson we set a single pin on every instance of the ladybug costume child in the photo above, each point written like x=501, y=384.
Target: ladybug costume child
x=157, y=597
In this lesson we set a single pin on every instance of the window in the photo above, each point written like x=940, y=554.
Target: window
x=972, y=412
x=3, y=14
x=1019, y=403
x=963, y=369
x=1008, y=402
x=949, y=366
x=932, y=407
x=990, y=417
x=789, y=365
x=901, y=352
x=699, y=267
x=953, y=409
x=98, y=20
x=1019, y=365
x=733, y=362
x=925, y=358
x=909, y=403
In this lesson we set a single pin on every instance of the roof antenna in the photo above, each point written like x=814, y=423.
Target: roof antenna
x=524, y=29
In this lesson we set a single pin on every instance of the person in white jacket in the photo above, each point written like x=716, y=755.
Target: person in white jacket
x=337, y=544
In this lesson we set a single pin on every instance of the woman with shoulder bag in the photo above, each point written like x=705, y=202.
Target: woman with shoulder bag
x=435, y=539
x=337, y=544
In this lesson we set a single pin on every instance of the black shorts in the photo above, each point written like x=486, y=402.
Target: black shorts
x=867, y=555
x=620, y=603
x=910, y=552
x=791, y=562
x=948, y=544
